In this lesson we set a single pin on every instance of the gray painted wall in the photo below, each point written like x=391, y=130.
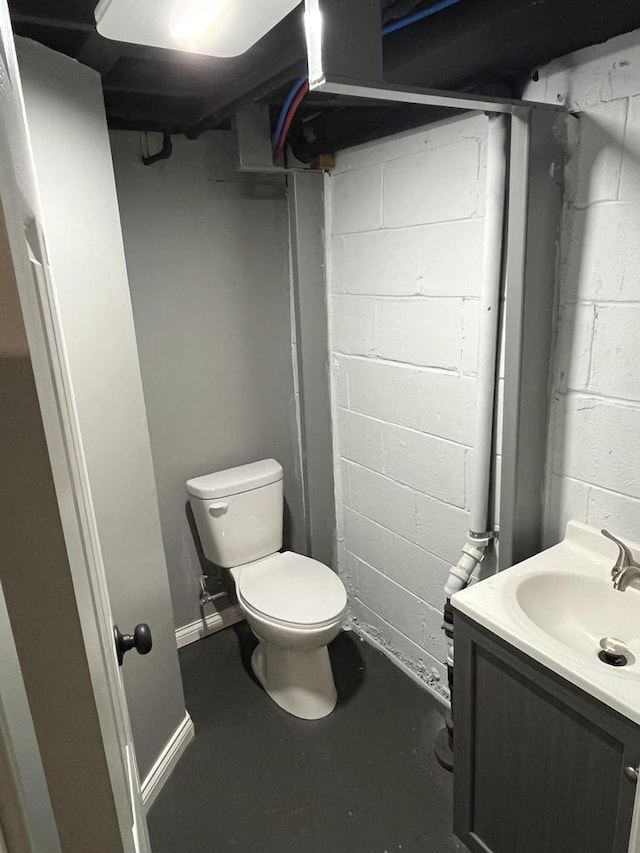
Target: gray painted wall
x=209, y=276
x=305, y=193
x=68, y=131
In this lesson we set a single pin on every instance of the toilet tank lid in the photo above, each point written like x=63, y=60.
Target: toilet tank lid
x=233, y=481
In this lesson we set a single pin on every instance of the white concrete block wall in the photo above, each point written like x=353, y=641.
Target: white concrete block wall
x=404, y=219
x=594, y=457
x=405, y=231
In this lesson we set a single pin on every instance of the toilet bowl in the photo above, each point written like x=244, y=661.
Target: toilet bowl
x=294, y=605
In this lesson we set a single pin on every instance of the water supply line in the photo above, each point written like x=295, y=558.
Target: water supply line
x=300, y=88
x=478, y=536
x=207, y=597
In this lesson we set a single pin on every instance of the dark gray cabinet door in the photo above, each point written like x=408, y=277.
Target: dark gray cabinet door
x=539, y=764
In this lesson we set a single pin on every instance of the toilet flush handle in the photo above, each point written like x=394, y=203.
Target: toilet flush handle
x=218, y=508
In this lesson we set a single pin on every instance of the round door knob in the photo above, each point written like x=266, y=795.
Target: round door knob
x=140, y=640
x=631, y=773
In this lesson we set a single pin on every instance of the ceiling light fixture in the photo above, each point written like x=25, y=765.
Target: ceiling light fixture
x=212, y=27
x=191, y=23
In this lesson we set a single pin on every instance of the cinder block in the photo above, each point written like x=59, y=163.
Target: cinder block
x=584, y=79
x=339, y=381
x=618, y=513
x=335, y=264
x=566, y=500
x=437, y=185
x=342, y=483
x=434, y=402
x=447, y=405
x=603, y=259
x=383, y=262
x=422, y=332
x=348, y=570
x=413, y=568
x=359, y=439
x=600, y=444
x=452, y=258
x=572, y=355
x=379, y=151
x=615, y=363
x=353, y=325
x=442, y=528
x=599, y=153
x=409, y=653
x=411, y=142
x=356, y=200
x=384, y=501
x=433, y=637
x=405, y=261
x=386, y=391
x=579, y=80
x=470, y=329
x=623, y=54
x=339, y=516
x=430, y=465
x=352, y=572
x=402, y=609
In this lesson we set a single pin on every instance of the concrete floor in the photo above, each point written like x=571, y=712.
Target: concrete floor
x=363, y=780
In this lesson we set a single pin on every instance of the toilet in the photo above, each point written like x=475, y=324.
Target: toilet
x=293, y=604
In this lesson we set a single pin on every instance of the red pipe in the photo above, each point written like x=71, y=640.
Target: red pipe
x=287, y=122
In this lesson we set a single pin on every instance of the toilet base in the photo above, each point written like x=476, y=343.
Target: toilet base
x=300, y=682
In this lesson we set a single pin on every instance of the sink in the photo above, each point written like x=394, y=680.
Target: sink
x=579, y=611
x=558, y=605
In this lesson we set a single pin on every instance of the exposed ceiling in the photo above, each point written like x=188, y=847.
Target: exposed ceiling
x=477, y=45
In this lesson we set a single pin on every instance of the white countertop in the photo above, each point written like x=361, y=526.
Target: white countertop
x=573, y=595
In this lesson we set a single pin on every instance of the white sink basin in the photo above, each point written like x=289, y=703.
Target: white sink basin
x=579, y=611
x=557, y=607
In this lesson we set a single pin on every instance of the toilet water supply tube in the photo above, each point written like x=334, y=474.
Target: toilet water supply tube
x=478, y=537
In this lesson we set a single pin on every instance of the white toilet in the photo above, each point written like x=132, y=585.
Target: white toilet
x=293, y=604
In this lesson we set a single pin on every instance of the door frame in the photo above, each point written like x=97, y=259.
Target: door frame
x=27, y=822
x=33, y=280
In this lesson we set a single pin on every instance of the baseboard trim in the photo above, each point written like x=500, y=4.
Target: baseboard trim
x=209, y=625
x=166, y=762
x=440, y=699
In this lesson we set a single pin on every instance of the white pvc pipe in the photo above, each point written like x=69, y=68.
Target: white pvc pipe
x=489, y=316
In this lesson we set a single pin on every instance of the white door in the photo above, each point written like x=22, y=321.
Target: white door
x=19, y=198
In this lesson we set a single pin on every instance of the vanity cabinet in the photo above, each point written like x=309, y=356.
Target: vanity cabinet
x=540, y=765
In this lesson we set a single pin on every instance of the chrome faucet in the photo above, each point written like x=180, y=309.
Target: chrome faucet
x=625, y=569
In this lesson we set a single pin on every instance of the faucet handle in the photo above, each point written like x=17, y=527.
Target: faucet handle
x=625, y=557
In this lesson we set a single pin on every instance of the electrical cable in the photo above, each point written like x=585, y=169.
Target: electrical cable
x=293, y=99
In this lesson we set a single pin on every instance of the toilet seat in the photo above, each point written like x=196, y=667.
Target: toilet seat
x=292, y=590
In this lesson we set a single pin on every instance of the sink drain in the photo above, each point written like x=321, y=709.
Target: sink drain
x=613, y=652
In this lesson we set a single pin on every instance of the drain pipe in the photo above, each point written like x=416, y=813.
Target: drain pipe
x=478, y=537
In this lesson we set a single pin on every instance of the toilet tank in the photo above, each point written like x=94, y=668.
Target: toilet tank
x=238, y=512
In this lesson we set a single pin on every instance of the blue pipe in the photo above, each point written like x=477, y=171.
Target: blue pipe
x=285, y=109
x=392, y=27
